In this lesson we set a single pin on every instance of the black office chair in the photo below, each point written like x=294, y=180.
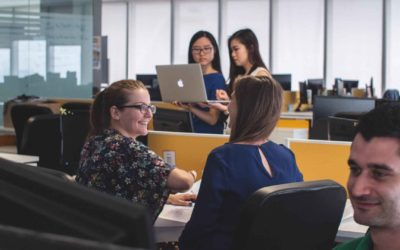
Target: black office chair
x=75, y=126
x=301, y=216
x=20, y=113
x=77, y=106
x=42, y=137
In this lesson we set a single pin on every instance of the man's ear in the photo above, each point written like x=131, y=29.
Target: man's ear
x=115, y=114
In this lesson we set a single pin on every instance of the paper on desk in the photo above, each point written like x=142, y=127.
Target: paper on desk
x=180, y=214
x=195, y=188
x=176, y=213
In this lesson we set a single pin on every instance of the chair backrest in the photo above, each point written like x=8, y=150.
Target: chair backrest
x=301, y=216
x=20, y=113
x=42, y=137
x=77, y=106
x=75, y=126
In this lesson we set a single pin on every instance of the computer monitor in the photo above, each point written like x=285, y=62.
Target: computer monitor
x=43, y=203
x=380, y=102
x=349, y=84
x=316, y=86
x=325, y=106
x=285, y=80
x=151, y=83
x=172, y=120
x=341, y=129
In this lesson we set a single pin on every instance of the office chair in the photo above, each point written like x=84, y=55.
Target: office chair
x=301, y=216
x=74, y=127
x=77, y=106
x=20, y=114
x=42, y=137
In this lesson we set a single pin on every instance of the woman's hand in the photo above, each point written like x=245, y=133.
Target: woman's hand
x=221, y=94
x=185, y=199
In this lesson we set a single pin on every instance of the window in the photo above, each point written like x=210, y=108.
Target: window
x=237, y=14
x=393, y=45
x=298, y=33
x=355, y=41
x=114, y=25
x=149, y=36
x=192, y=16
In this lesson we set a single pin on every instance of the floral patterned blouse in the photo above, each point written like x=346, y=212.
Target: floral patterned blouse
x=124, y=167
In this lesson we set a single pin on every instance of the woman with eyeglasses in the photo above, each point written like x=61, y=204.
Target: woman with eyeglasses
x=114, y=162
x=235, y=170
x=203, y=49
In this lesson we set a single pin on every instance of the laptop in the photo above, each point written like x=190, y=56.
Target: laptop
x=182, y=83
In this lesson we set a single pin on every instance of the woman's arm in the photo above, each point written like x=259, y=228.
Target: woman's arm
x=211, y=117
x=180, y=180
x=198, y=232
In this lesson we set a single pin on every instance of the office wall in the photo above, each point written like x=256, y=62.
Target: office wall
x=308, y=38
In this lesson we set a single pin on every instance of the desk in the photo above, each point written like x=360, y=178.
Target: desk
x=7, y=136
x=170, y=223
x=26, y=159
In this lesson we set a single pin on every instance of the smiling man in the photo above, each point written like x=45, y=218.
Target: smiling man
x=374, y=181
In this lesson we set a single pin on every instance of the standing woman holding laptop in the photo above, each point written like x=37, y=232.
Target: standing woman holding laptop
x=203, y=49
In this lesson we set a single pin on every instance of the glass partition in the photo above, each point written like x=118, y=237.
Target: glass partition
x=46, y=49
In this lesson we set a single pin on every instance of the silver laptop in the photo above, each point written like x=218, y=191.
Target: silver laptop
x=182, y=83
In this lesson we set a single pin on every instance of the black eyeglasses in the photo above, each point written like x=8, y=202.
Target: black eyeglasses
x=142, y=107
x=198, y=50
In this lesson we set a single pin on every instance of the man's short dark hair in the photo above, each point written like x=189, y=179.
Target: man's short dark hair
x=383, y=121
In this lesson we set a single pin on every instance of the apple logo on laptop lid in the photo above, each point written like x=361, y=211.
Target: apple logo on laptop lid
x=180, y=83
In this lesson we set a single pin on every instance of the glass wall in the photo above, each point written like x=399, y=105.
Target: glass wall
x=46, y=49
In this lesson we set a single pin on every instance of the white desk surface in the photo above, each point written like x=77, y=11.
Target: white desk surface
x=297, y=115
x=20, y=158
x=170, y=223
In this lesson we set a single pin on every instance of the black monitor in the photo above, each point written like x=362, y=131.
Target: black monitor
x=316, y=86
x=325, y=106
x=341, y=129
x=172, y=120
x=285, y=80
x=45, y=204
x=349, y=84
x=380, y=102
x=151, y=83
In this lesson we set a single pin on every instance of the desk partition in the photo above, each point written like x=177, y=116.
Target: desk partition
x=319, y=159
x=190, y=149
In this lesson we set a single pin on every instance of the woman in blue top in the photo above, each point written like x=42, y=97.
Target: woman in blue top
x=237, y=169
x=203, y=49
